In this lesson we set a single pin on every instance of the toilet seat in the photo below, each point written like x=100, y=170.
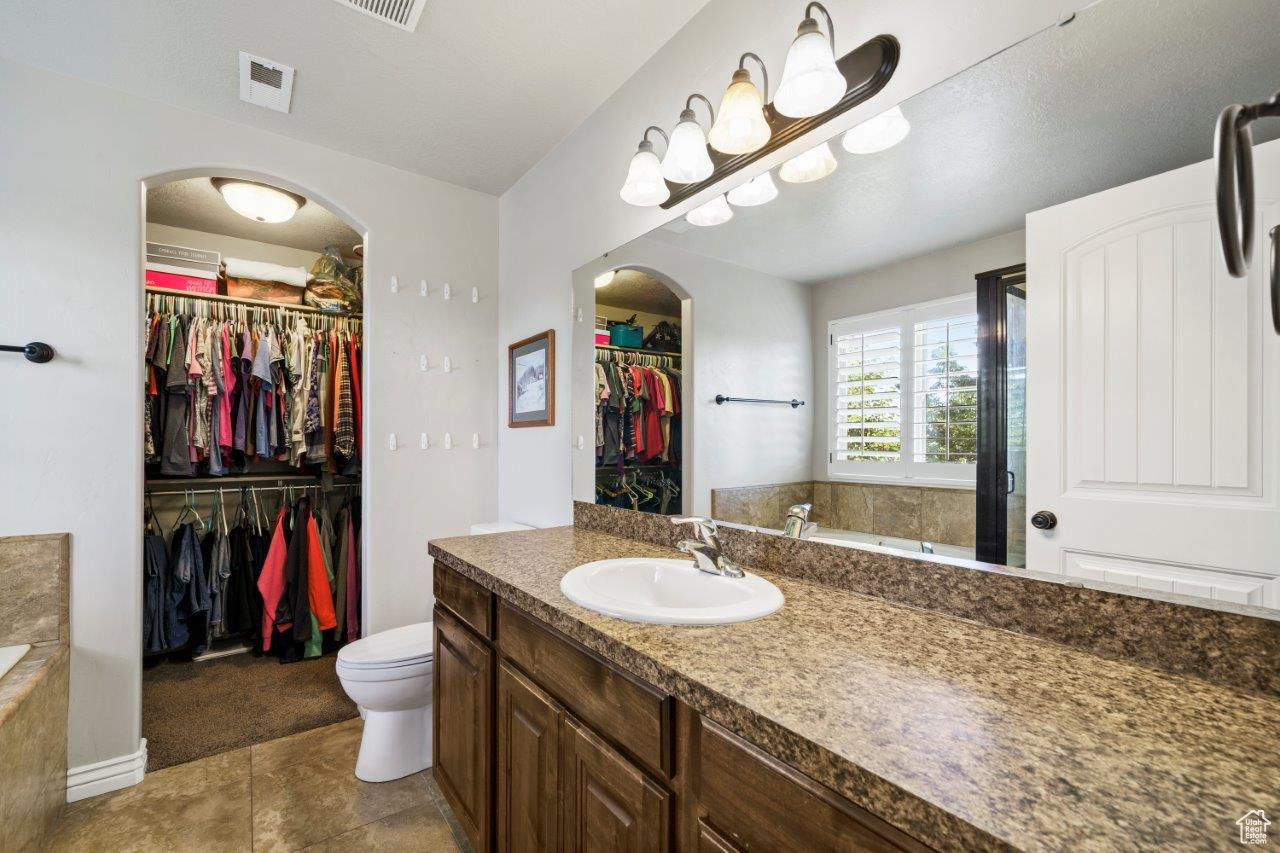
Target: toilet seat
x=396, y=649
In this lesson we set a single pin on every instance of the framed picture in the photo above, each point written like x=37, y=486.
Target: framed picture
x=531, y=381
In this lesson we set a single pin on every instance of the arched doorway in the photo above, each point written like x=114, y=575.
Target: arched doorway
x=252, y=418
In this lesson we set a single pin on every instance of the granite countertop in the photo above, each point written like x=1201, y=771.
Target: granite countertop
x=960, y=734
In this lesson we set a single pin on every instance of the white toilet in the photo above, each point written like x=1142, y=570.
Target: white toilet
x=388, y=675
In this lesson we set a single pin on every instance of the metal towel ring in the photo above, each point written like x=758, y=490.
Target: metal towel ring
x=1233, y=151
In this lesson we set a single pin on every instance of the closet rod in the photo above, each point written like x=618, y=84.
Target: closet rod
x=235, y=480
x=638, y=350
x=256, y=303
x=278, y=488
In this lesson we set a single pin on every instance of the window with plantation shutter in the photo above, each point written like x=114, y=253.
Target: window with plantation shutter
x=903, y=394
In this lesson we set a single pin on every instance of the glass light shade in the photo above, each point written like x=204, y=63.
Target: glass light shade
x=258, y=202
x=714, y=212
x=740, y=126
x=605, y=278
x=759, y=190
x=811, y=82
x=687, y=160
x=644, y=186
x=813, y=165
x=877, y=134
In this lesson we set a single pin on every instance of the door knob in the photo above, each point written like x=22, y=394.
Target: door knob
x=1044, y=520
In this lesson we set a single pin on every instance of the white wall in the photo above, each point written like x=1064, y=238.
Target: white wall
x=565, y=211
x=948, y=272
x=72, y=156
x=746, y=335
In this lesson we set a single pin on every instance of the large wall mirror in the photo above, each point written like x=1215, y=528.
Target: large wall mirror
x=992, y=324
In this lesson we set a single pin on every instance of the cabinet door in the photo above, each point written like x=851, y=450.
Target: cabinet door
x=528, y=765
x=463, y=728
x=609, y=804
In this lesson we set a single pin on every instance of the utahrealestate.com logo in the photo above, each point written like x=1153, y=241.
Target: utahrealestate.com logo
x=1253, y=827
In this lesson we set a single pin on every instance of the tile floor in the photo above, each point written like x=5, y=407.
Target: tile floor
x=295, y=793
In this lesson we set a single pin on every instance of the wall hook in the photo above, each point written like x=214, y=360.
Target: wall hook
x=424, y=441
x=475, y=295
x=422, y=285
x=448, y=441
x=448, y=364
x=447, y=291
x=395, y=284
x=475, y=441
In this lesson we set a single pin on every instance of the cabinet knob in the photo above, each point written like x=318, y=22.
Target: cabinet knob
x=1044, y=520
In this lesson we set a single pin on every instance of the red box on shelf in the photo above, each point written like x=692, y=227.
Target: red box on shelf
x=602, y=338
x=181, y=281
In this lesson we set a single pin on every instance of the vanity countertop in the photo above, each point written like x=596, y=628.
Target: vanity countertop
x=960, y=734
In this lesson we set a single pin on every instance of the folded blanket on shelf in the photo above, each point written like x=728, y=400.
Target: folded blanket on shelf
x=263, y=271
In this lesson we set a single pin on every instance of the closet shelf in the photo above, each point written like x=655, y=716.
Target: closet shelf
x=638, y=350
x=255, y=303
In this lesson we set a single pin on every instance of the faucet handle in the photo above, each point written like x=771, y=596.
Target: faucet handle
x=704, y=527
x=801, y=511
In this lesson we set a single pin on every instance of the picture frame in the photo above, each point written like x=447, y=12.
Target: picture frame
x=531, y=381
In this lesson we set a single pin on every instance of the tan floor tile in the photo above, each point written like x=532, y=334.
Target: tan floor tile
x=311, y=801
x=339, y=741
x=160, y=817
x=418, y=829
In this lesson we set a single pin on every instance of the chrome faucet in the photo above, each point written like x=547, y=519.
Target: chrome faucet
x=798, y=525
x=706, y=550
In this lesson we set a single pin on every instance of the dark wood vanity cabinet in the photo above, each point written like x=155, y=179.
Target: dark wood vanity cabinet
x=541, y=745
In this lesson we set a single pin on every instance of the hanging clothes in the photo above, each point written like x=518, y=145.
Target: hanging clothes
x=153, y=611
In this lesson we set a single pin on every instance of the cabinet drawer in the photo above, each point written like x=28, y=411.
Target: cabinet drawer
x=756, y=802
x=468, y=600
x=630, y=713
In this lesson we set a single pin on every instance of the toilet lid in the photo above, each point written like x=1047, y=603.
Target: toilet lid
x=396, y=646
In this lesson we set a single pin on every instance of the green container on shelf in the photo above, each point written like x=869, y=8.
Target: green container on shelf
x=626, y=335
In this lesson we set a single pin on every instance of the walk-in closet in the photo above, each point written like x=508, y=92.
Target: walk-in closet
x=639, y=376
x=252, y=404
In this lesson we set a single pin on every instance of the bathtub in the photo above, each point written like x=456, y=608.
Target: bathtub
x=850, y=537
x=9, y=657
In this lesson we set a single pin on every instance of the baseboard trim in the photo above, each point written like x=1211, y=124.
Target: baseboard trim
x=90, y=780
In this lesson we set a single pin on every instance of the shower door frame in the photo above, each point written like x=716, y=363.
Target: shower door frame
x=991, y=539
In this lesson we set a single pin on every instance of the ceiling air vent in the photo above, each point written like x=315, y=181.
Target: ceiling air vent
x=265, y=83
x=399, y=13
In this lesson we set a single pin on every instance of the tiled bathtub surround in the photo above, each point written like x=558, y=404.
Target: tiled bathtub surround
x=966, y=737
x=946, y=516
x=1232, y=645
x=33, y=695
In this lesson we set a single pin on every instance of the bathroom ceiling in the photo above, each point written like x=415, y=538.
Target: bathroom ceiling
x=476, y=96
x=195, y=204
x=633, y=290
x=1130, y=89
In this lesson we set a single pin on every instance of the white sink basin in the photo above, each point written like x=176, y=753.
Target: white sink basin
x=668, y=592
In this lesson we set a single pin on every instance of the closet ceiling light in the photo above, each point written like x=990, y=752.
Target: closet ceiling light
x=813, y=165
x=811, y=82
x=877, y=134
x=644, y=185
x=605, y=278
x=687, y=159
x=714, y=212
x=740, y=125
x=759, y=190
x=258, y=202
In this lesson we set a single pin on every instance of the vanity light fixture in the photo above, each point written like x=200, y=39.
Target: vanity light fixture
x=740, y=126
x=811, y=82
x=714, y=212
x=644, y=185
x=258, y=202
x=605, y=278
x=877, y=134
x=759, y=190
x=813, y=165
x=687, y=160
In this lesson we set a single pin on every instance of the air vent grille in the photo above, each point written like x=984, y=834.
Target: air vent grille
x=265, y=83
x=399, y=13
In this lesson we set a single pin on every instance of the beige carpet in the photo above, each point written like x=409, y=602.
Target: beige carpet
x=195, y=709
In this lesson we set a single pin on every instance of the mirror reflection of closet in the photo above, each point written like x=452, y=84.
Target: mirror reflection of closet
x=641, y=445
x=252, y=443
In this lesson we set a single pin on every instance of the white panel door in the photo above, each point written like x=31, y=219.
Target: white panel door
x=1152, y=388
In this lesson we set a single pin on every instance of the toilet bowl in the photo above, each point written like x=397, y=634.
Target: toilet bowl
x=388, y=675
